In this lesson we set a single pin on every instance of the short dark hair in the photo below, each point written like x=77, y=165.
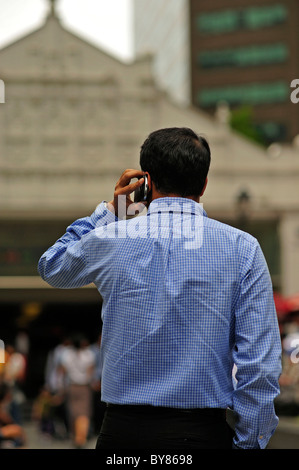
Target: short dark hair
x=177, y=159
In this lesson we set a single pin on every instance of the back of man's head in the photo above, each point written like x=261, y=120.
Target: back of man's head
x=177, y=160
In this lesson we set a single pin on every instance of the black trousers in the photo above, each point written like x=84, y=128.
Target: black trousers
x=148, y=427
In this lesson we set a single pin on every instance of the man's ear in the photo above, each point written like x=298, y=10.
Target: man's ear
x=204, y=188
x=149, y=181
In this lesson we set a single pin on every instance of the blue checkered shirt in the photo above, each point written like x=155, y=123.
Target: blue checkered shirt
x=185, y=300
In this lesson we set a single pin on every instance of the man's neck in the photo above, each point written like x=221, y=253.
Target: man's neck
x=157, y=195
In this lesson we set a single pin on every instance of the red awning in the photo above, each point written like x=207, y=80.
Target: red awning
x=293, y=303
x=281, y=304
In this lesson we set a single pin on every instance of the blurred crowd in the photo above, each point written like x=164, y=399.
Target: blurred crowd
x=12, y=376
x=287, y=403
x=68, y=405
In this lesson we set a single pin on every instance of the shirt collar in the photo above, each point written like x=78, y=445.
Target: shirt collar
x=176, y=204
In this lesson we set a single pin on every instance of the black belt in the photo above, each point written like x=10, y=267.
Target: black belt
x=149, y=409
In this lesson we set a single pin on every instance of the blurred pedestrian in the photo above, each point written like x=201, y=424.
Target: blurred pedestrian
x=42, y=412
x=14, y=376
x=99, y=407
x=54, y=376
x=11, y=433
x=3, y=362
x=78, y=362
x=55, y=381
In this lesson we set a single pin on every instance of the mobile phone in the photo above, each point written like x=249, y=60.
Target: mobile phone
x=141, y=193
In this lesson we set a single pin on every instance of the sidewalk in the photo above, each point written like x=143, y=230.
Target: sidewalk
x=285, y=437
x=36, y=440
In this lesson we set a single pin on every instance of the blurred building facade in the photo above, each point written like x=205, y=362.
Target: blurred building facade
x=243, y=52
x=161, y=29
x=73, y=119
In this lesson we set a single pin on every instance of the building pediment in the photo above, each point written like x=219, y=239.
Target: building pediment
x=52, y=51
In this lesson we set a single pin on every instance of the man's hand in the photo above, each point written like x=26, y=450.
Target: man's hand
x=124, y=188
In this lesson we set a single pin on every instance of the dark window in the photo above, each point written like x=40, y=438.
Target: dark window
x=249, y=56
x=252, y=93
x=251, y=18
x=22, y=244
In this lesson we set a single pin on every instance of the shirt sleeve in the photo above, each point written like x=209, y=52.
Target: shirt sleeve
x=64, y=264
x=257, y=355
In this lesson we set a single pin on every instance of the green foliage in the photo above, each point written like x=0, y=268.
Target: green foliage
x=242, y=121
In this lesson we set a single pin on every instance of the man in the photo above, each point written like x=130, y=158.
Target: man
x=185, y=299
